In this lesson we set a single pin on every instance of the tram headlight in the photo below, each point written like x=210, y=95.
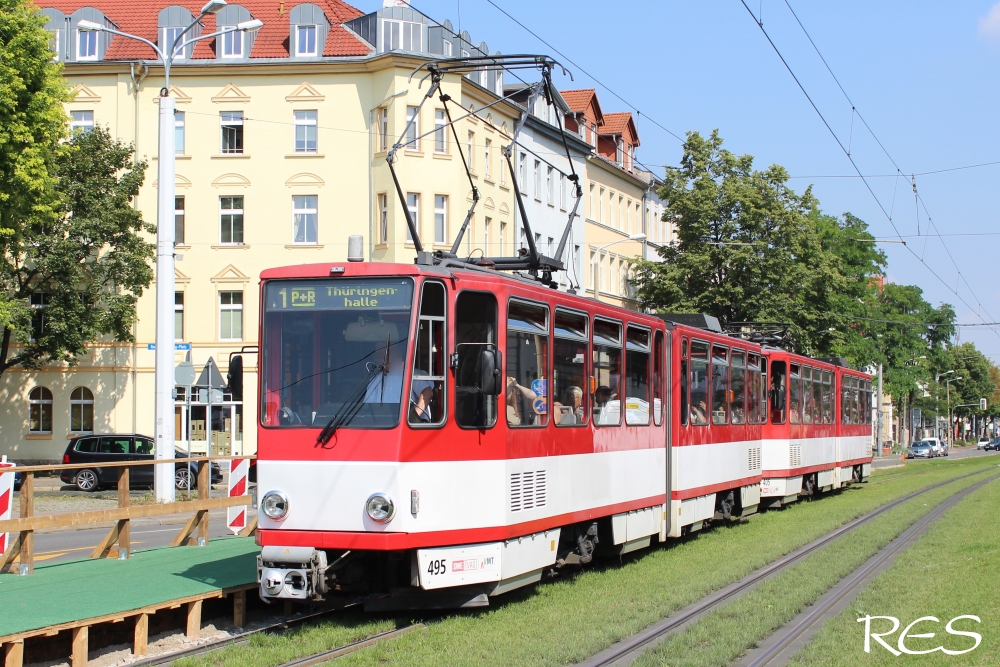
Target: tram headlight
x=274, y=504
x=379, y=508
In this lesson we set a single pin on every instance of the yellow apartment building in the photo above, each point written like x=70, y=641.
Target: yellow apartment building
x=281, y=145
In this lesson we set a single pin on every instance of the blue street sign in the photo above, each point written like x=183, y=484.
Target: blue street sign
x=180, y=347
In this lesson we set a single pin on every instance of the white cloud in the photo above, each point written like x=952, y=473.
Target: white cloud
x=989, y=25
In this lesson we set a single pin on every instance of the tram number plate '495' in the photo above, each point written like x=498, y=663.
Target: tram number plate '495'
x=458, y=566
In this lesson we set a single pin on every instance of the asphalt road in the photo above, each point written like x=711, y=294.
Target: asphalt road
x=956, y=453
x=75, y=544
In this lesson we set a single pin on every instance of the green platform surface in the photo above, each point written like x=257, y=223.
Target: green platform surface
x=77, y=590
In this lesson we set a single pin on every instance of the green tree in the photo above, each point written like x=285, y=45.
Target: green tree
x=32, y=122
x=76, y=275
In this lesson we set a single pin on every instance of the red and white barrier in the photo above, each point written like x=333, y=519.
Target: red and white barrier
x=6, y=497
x=236, y=517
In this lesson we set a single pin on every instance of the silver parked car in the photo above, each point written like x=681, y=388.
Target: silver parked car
x=939, y=446
x=983, y=441
x=920, y=450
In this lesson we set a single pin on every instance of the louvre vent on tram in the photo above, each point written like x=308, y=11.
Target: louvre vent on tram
x=527, y=490
x=795, y=456
x=754, y=458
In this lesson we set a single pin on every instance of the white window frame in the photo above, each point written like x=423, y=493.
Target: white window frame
x=441, y=215
x=487, y=158
x=174, y=30
x=87, y=35
x=232, y=211
x=413, y=206
x=235, y=119
x=180, y=132
x=550, y=194
x=486, y=235
x=231, y=308
x=81, y=403
x=54, y=44
x=39, y=404
x=413, y=133
x=383, y=218
x=81, y=124
x=305, y=27
x=538, y=180
x=503, y=237
x=304, y=206
x=303, y=120
x=179, y=308
x=440, y=133
x=234, y=38
x=471, y=148
x=562, y=191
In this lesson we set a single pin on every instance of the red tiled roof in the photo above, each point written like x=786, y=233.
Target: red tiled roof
x=617, y=123
x=140, y=18
x=578, y=99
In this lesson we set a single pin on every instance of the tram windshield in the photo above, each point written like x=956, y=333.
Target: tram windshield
x=334, y=349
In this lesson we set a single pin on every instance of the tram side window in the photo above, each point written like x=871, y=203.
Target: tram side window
x=856, y=414
x=807, y=395
x=526, y=394
x=753, y=389
x=827, y=399
x=778, y=392
x=738, y=385
x=845, y=393
x=699, y=383
x=763, y=405
x=817, y=400
x=607, y=373
x=658, y=365
x=475, y=331
x=569, y=368
x=795, y=402
x=636, y=376
x=720, y=384
x=427, y=405
x=685, y=407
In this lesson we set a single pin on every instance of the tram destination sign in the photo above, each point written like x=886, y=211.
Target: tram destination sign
x=360, y=295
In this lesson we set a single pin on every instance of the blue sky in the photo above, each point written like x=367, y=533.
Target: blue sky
x=922, y=74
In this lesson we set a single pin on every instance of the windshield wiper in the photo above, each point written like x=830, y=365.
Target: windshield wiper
x=350, y=408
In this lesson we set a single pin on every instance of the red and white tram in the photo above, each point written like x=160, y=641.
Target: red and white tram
x=436, y=434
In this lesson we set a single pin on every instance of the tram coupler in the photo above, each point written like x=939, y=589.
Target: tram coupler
x=291, y=573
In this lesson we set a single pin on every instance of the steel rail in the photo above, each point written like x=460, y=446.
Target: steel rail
x=628, y=649
x=849, y=586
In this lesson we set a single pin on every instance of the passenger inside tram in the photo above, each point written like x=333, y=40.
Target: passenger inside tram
x=520, y=402
x=421, y=400
x=570, y=412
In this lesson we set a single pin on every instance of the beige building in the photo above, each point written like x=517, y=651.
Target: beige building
x=281, y=146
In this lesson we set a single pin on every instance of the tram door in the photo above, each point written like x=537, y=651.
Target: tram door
x=662, y=405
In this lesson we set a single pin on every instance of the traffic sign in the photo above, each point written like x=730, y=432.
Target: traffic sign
x=184, y=374
x=178, y=347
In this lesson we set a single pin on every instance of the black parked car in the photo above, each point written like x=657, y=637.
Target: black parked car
x=994, y=444
x=18, y=478
x=87, y=452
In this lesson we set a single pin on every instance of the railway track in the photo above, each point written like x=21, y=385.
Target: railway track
x=627, y=650
x=778, y=649
x=620, y=653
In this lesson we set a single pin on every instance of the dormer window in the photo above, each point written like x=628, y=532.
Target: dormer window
x=401, y=35
x=86, y=45
x=170, y=37
x=232, y=44
x=305, y=40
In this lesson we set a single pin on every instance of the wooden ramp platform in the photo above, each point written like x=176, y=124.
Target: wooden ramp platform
x=75, y=595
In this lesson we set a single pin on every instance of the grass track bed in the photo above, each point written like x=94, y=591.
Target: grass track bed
x=953, y=570
x=578, y=615
x=726, y=634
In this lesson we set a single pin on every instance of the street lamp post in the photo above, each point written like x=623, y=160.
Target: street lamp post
x=163, y=479
x=947, y=387
x=597, y=256
x=937, y=401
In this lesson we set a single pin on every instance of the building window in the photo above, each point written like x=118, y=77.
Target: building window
x=412, y=129
x=179, y=132
x=231, y=219
x=538, y=180
x=382, y=128
x=178, y=220
x=304, y=219
x=522, y=170
x=54, y=44
x=471, y=148
x=487, y=159
x=403, y=35
x=600, y=206
x=305, y=132
x=305, y=40
x=440, y=218
x=38, y=301
x=383, y=218
x=503, y=172
x=231, y=315
x=178, y=315
x=447, y=49
x=81, y=121
x=413, y=206
x=503, y=237
x=170, y=35
x=86, y=45
x=549, y=185
x=486, y=236
x=81, y=411
x=232, y=132
x=40, y=410
x=232, y=43
x=440, y=137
